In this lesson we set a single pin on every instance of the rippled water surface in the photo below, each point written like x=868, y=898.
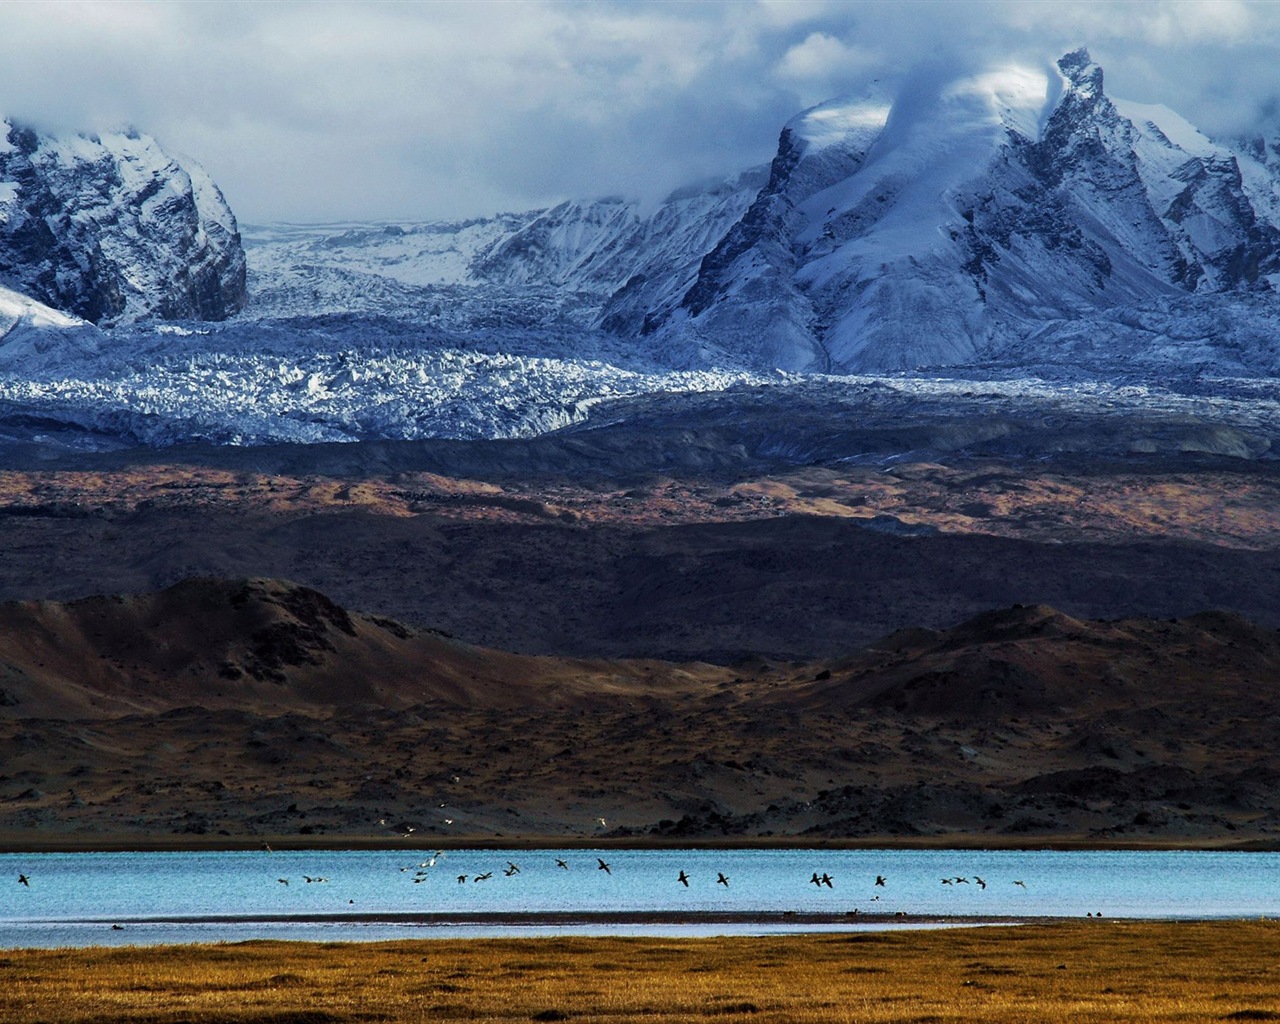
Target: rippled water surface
x=76, y=899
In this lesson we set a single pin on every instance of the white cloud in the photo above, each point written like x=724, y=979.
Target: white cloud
x=819, y=56
x=309, y=110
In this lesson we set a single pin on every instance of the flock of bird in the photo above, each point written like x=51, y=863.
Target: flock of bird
x=423, y=872
x=512, y=869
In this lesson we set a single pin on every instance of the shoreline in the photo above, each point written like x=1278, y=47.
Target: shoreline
x=11, y=843
x=572, y=918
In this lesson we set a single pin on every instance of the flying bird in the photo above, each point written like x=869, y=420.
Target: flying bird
x=683, y=879
x=815, y=880
x=563, y=864
x=980, y=881
x=461, y=879
x=826, y=880
x=283, y=881
x=483, y=878
x=947, y=881
x=23, y=880
x=603, y=866
x=512, y=868
x=879, y=879
x=1023, y=884
x=722, y=879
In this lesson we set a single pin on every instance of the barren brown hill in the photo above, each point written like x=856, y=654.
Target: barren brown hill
x=1034, y=661
x=269, y=646
x=232, y=711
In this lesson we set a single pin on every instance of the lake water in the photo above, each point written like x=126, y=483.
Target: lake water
x=77, y=898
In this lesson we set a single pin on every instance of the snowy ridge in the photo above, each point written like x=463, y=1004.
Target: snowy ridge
x=31, y=332
x=562, y=265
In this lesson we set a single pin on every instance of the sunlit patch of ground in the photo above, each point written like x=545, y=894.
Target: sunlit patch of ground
x=1217, y=506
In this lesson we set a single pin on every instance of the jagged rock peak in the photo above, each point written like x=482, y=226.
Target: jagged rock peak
x=111, y=227
x=1080, y=70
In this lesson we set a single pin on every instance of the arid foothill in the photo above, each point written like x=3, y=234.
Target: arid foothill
x=993, y=654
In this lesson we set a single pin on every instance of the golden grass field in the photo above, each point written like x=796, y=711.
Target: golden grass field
x=1065, y=971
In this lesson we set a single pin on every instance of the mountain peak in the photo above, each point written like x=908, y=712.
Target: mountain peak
x=1080, y=70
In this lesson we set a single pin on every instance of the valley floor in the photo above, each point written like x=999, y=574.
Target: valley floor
x=1068, y=971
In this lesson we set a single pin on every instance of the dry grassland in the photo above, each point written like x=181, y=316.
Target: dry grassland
x=1080, y=972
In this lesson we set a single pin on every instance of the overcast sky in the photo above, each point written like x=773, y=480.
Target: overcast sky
x=323, y=111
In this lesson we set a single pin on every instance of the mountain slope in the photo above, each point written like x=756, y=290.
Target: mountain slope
x=112, y=227
x=264, y=645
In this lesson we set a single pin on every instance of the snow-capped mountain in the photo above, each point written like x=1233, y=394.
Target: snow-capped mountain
x=956, y=219
x=941, y=221
x=1016, y=226
x=111, y=227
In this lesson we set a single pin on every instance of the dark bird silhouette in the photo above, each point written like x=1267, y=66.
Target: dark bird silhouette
x=1023, y=884
x=512, y=869
x=283, y=881
x=961, y=881
x=483, y=878
x=461, y=879
x=23, y=880
x=980, y=881
x=826, y=880
x=722, y=879
x=815, y=880
x=117, y=927
x=683, y=879
x=603, y=866
x=562, y=864
x=879, y=879
x=946, y=881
